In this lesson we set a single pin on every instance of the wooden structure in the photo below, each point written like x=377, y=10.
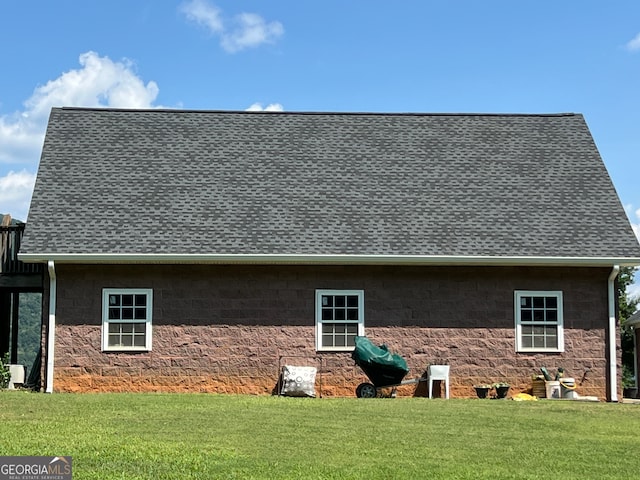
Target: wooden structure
x=15, y=277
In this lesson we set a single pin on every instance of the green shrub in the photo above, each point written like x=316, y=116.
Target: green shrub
x=5, y=373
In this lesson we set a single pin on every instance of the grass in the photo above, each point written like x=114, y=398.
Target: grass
x=197, y=436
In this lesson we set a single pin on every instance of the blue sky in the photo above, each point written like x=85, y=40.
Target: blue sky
x=410, y=56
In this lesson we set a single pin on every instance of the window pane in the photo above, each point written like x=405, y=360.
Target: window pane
x=539, y=320
x=126, y=320
x=339, y=317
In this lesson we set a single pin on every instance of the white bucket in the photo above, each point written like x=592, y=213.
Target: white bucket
x=553, y=389
x=568, y=388
x=17, y=376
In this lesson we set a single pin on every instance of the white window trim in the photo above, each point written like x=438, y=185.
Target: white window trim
x=518, y=294
x=105, y=318
x=319, y=294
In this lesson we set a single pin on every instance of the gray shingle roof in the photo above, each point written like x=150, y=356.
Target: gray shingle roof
x=203, y=182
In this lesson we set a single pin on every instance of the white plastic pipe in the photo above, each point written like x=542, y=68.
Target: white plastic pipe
x=51, y=330
x=613, y=358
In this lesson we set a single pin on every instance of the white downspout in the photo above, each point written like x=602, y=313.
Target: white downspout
x=51, y=330
x=613, y=358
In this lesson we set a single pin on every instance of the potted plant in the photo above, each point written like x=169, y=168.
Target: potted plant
x=502, y=389
x=482, y=390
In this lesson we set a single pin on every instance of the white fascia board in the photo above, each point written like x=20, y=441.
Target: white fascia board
x=320, y=259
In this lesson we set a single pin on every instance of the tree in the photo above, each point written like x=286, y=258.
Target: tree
x=29, y=328
x=627, y=306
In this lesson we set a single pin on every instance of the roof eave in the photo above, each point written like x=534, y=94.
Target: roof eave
x=322, y=259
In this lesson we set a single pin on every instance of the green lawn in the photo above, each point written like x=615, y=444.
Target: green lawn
x=172, y=436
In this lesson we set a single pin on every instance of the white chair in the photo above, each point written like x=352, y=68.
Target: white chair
x=441, y=373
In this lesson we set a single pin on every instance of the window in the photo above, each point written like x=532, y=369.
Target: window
x=126, y=319
x=339, y=318
x=539, y=321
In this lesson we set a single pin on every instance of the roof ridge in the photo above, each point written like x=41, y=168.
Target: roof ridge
x=294, y=112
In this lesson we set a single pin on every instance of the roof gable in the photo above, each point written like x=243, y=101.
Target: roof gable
x=146, y=182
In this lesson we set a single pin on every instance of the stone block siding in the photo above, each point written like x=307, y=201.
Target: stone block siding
x=229, y=329
x=241, y=359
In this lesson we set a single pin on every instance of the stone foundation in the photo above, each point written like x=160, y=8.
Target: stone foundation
x=248, y=359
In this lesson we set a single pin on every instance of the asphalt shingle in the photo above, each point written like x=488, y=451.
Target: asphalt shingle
x=204, y=182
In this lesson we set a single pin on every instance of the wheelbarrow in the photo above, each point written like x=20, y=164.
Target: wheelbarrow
x=383, y=368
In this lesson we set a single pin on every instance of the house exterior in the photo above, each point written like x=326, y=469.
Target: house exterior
x=203, y=250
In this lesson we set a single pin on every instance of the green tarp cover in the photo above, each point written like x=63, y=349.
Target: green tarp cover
x=366, y=353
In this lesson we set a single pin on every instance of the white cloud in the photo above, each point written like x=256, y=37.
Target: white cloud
x=15, y=192
x=247, y=29
x=251, y=30
x=633, y=290
x=100, y=82
x=634, y=218
x=20, y=138
x=635, y=224
x=272, y=107
x=633, y=45
x=205, y=14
